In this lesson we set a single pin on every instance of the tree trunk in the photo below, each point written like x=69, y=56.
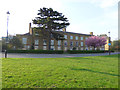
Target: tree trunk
x=62, y=44
x=49, y=40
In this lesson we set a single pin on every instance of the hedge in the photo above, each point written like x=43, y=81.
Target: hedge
x=89, y=51
x=57, y=51
x=37, y=51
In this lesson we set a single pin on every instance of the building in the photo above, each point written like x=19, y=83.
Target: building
x=72, y=41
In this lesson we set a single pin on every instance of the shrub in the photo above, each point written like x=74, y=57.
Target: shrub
x=88, y=51
x=37, y=51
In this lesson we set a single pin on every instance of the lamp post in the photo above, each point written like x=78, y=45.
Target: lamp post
x=8, y=13
x=109, y=42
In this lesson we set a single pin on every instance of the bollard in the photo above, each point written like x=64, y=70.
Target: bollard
x=5, y=53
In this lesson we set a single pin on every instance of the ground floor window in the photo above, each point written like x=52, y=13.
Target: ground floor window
x=52, y=48
x=71, y=48
x=44, y=47
x=90, y=48
x=59, y=48
x=36, y=47
x=82, y=49
x=76, y=48
x=65, y=48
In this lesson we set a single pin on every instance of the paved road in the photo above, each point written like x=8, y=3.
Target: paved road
x=24, y=55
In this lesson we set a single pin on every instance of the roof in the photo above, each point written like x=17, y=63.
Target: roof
x=76, y=33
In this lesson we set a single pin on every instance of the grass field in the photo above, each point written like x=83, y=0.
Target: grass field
x=78, y=72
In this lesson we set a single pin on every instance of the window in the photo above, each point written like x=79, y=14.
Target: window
x=24, y=40
x=51, y=35
x=59, y=42
x=36, y=33
x=81, y=38
x=44, y=47
x=81, y=43
x=76, y=44
x=71, y=43
x=52, y=48
x=71, y=48
x=76, y=48
x=65, y=48
x=28, y=47
x=86, y=48
x=81, y=48
x=76, y=37
x=59, y=48
x=36, y=47
x=65, y=36
x=36, y=42
x=52, y=42
x=44, y=42
x=71, y=37
x=65, y=43
x=86, y=38
x=90, y=48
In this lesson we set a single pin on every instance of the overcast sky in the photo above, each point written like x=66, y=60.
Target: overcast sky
x=98, y=16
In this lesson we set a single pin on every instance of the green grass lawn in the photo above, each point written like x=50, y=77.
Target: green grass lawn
x=78, y=72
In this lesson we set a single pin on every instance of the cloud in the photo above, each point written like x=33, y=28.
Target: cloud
x=100, y=3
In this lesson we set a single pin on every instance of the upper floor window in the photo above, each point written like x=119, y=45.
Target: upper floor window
x=81, y=38
x=86, y=38
x=76, y=38
x=81, y=43
x=36, y=42
x=77, y=44
x=52, y=42
x=65, y=43
x=71, y=43
x=59, y=42
x=65, y=36
x=24, y=40
x=71, y=37
x=44, y=42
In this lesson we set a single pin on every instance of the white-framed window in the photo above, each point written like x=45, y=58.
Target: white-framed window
x=28, y=47
x=76, y=48
x=71, y=37
x=52, y=42
x=82, y=49
x=44, y=42
x=51, y=35
x=71, y=48
x=24, y=40
x=65, y=48
x=52, y=48
x=90, y=48
x=65, y=36
x=71, y=43
x=86, y=48
x=81, y=43
x=59, y=48
x=86, y=38
x=59, y=42
x=76, y=38
x=65, y=43
x=81, y=38
x=76, y=44
x=36, y=47
x=36, y=33
x=44, y=47
x=36, y=41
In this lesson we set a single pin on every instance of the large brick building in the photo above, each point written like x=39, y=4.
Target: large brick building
x=72, y=40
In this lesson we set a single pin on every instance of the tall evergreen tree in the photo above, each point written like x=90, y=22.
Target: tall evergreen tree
x=49, y=22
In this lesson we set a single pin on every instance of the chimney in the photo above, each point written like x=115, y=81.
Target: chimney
x=30, y=29
x=91, y=33
x=64, y=29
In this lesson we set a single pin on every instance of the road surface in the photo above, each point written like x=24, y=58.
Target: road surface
x=26, y=55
